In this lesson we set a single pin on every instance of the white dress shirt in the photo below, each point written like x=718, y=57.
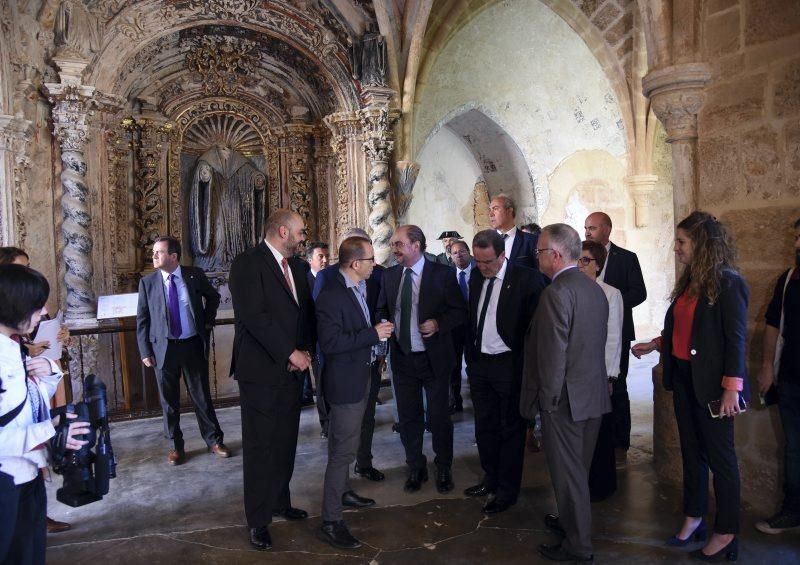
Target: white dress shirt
x=20, y=437
x=279, y=258
x=491, y=342
x=614, y=338
x=509, y=241
x=602, y=276
x=416, y=279
x=188, y=327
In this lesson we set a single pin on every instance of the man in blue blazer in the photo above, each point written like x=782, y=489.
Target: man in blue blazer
x=520, y=246
x=347, y=338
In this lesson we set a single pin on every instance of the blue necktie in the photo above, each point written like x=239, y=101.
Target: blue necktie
x=175, y=326
x=462, y=282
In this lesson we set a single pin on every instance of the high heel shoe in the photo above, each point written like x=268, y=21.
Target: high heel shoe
x=699, y=534
x=728, y=553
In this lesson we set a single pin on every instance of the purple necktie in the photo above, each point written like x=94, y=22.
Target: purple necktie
x=175, y=327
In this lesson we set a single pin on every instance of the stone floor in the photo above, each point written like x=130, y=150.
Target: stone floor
x=193, y=513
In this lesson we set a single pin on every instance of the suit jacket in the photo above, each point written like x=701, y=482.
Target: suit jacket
x=373, y=285
x=516, y=305
x=444, y=259
x=565, y=349
x=346, y=340
x=269, y=324
x=311, y=280
x=523, y=251
x=152, y=324
x=719, y=340
x=624, y=273
x=440, y=299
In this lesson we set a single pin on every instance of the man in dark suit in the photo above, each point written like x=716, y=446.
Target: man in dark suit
x=176, y=310
x=565, y=380
x=447, y=238
x=275, y=327
x=423, y=301
x=520, y=246
x=317, y=253
x=364, y=465
x=347, y=339
x=502, y=300
x=622, y=271
x=462, y=261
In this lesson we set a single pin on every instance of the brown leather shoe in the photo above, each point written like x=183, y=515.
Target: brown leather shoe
x=54, y=526
x=221, y=450
x=176, y=457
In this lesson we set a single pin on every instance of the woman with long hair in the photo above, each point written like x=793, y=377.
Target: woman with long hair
x=703, y=356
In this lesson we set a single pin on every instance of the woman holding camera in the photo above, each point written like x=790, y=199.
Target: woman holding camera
x=703, y=357
x=25, y=424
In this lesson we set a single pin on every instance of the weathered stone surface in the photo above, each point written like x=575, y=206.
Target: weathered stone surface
x=588, y=7
x=764, y=241
x=734, y=103
x=786, y=101
x=791, y=136
x=714, y=6
x=624, y=49
x=766, y=20
x=722, y=33
x=719, y=168
x=606, y=16
x=761, y=165
x=765, y=54
x=620, y=29
x=727, y=67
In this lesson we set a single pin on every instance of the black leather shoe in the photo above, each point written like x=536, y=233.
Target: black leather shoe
x=337, y=534
x=558, y=553
x=352, y=500
x=552, y=522
x=728, y=553
x=291, y=514
x=415, y=480
x=444, y=479
x=495, y=506
x=370, y=473
x=481, y=489
x=259, y=538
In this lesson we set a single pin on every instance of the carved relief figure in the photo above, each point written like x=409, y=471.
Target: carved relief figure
x=77, y=31
x=227, y=206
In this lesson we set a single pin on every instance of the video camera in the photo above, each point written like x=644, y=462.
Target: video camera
x=86, y=473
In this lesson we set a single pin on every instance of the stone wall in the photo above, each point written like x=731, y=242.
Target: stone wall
x=749, y=171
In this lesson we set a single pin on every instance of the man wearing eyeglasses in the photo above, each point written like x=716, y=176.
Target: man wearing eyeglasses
x=347, y=338
x=422, y=299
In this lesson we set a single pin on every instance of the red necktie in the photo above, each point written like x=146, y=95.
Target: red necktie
x=285, y=265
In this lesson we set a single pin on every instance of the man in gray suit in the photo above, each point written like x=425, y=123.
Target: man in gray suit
x=176, y=310
x=565, y=380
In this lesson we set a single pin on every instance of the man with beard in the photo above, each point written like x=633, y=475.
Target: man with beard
x=274, y=322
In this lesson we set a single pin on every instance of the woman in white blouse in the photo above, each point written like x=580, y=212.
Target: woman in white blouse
x=26, y=385
x=603, y=473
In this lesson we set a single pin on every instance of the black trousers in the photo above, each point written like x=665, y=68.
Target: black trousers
x=322, y=405
x=603, y=472
x=23, y=526
x=494, y=385
x=413, y=373
x=706, y=442
x=621, y=403
x=187, y=357
x=270, y=422
x=364, y=456
x=459, y=335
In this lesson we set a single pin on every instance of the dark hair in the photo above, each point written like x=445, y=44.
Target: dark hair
x=415, y=233
x=489, y=238
x=312, y=245
x=533, y=228
x=598, y=251
x=713, y=251
x=173, y=245
x=352, y=249
x=457, y=242
x=23, y=291
x=9, y=254
x=797, y=224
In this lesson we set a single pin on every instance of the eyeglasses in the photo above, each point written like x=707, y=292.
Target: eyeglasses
x=540, y=251
x=367, y=259
x=398, y=244
x=585, y=260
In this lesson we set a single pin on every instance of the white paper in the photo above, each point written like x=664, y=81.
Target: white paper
x=117, y=306
x=48, y=330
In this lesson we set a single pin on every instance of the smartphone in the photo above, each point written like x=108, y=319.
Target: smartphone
x=713, y=406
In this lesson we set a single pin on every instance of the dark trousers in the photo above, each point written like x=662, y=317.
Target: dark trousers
x=706, y=442
x=364, y=458
x=413, y=373
x=343, y=439
x=23, y=526
x=187, y=357
x=322, y=405
x=494, y=385
x=270, y=422
x=621, y=403
x=459, y=335
x=603, y=472
x=789, y=407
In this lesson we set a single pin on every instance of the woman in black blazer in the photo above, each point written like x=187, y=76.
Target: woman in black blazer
x=703, y=355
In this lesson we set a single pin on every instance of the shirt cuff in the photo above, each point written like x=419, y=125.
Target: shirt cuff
x=733, y=383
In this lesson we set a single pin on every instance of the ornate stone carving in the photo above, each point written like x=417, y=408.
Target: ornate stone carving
x=15, y=135
x=322, y=159
x=345, y=133
x=407, y=172
x=118, y=145
x=641, y=187
x=225, y=9
x=676, y=96
x=298, y=152
x=272, y=153
x=223, y=64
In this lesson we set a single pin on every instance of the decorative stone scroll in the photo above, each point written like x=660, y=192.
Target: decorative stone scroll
x=297, y=139
x=346, y=135
x=15, y=135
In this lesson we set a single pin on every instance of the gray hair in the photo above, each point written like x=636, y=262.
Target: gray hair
x=565, y=240
x=508, y=202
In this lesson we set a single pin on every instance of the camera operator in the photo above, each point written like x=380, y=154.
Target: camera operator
x=25, y=424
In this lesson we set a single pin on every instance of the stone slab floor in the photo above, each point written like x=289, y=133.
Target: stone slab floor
x=193, y=513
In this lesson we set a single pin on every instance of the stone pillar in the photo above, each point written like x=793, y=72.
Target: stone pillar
x=346, y=142
x=323, y=159
x=15, y=135
x=378, y=122
x=298, y=148
x=641, y=187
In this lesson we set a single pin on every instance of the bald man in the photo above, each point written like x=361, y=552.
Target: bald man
x=622, y=271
